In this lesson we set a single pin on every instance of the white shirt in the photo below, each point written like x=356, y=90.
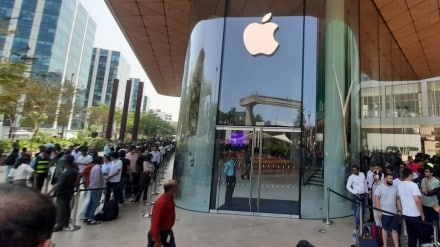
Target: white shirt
x=21, y=172
x=156, y=156
x=370, y=178
x=84, y=160
x=357, y=184
x=396, y=182
x=115, y=165
x=407, y=190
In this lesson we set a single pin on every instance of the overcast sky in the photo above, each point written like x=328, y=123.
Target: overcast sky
x=109, y=36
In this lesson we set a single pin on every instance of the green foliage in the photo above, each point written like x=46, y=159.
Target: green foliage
x=5, y=145
x=151, y=125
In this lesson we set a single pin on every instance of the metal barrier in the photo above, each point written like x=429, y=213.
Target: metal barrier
x=327, y=220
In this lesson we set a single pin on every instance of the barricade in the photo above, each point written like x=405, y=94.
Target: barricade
x=327, y=220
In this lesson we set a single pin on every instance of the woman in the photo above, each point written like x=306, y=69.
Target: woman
x=145, y=178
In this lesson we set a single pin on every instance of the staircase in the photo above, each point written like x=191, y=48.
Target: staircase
x=316, y=179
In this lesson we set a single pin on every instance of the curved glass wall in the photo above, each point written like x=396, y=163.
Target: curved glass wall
x=291, y=120
x=198, y=107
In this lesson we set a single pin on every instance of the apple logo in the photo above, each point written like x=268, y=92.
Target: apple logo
x=259, y=38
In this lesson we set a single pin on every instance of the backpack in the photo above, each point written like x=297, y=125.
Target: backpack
x=109, y=212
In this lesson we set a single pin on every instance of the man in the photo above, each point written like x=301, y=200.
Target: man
x=377, y=181
x=428, y=183
x=411, y=205
x=230, y=179
x=42, y=163
x=83, y=159
x=386, y=199
x=132, y=186
x=113, y=172
x=27, y=217
x=357, y=186
x=96, y=182
x=64, y=190
x=164, y=216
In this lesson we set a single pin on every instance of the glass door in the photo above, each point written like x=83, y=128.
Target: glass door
x=278, y=157
x=257, y=170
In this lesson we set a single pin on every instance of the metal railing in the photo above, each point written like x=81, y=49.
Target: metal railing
x=327, y=220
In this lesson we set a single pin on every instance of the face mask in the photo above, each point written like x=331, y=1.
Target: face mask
x=377, y=174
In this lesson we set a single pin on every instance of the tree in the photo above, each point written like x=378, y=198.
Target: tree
x=97, y=117
x=12, y=84
x=43, y=101
x=151, y=125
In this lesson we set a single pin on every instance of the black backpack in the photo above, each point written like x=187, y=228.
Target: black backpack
x=109, y=212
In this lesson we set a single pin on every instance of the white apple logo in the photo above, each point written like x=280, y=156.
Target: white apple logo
x=259, y=38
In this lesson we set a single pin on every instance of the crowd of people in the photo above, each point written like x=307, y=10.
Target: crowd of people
x=403, y=198
x=122, y=173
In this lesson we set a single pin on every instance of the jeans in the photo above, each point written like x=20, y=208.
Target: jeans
x=166, y=237
x=356, y=207
x=95, y=196
x=417, y=230
x=144, y=182
x=117, y=192
x=63, y=210
x=230, y=186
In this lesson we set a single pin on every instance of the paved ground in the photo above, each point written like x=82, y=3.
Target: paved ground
x=205, y=229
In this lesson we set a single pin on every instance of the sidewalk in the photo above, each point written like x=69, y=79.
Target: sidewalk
x=205, y=229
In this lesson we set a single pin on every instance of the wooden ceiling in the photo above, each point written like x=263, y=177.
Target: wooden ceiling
x=415, y=25
x=158, y=32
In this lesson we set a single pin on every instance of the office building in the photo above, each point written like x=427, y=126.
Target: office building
x=53, y=37
x=106, y=66
x=294, y=90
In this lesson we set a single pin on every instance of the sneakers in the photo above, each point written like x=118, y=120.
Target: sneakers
x=93, y=222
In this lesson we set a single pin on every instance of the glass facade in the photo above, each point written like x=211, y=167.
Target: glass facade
x=53, y=37
x=105, y=67
x=270, y=110
x=337, y=89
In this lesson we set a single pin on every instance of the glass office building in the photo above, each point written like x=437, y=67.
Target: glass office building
x=53, y=37
x=106, y=66
x=295, y=90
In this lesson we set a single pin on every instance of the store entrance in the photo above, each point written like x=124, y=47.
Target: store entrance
x=265, y=175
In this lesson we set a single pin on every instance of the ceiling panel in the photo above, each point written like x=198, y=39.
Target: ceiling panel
x=158, y=31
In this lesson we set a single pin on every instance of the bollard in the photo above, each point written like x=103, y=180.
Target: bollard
x=327, y=220
x=361, y=218
x=73, y=226
x=148, y=212
x=162, y=176
x=155, y=185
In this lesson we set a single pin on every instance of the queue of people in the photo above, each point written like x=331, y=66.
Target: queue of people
x=123, y=174
x=403, y=199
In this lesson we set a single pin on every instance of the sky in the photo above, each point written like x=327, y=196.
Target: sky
x=109, y=36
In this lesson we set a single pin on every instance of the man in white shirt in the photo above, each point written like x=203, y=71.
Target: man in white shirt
x=83, y=159
x=411, y=204
x=357, y=186
x=114, y=178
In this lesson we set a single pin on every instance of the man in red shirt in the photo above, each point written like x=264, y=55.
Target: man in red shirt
x=164, y=215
